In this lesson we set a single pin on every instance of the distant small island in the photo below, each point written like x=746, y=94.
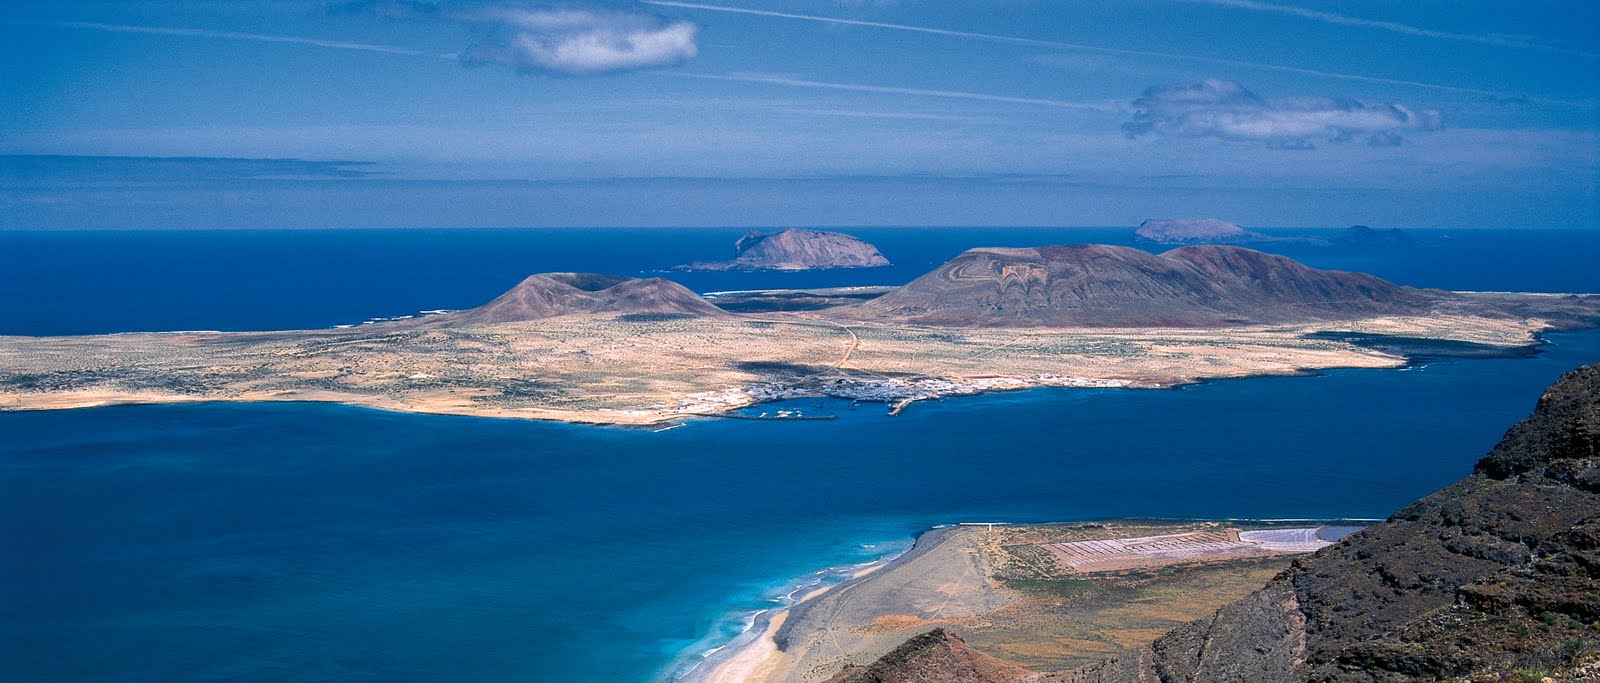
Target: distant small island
x=1195, y=231
x=796, y=249
x=1361, y=237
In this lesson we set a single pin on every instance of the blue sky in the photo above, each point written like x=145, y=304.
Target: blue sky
x=223, y=114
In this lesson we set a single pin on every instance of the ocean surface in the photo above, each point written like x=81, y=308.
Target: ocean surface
x=321, y=542
x=126, y=281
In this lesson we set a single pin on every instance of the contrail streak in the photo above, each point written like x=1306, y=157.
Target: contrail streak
x=1396, y=27
x=991, y=37
x=871, y=24
x=255, y=37
x=893, y=90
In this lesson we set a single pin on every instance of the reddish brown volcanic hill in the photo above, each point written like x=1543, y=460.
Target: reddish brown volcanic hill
x=933, y=657
x=548, y=295
x=1106, y=286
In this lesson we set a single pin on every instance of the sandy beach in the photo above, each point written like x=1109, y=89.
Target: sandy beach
x=759, y=659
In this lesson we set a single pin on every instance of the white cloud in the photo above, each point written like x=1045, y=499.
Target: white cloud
x=1225, y=109
x=572, y=42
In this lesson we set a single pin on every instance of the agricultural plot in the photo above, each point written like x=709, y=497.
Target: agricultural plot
x=1143, y=552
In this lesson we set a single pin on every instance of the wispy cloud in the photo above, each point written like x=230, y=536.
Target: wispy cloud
x=1226, y=110
x=856, y=22
x=236, y=35
x=890, y=115
x=1396, y=27
x=562, y=42
x=1083, y=47
x=581, y=42
x=772, y=79
x=23, y=171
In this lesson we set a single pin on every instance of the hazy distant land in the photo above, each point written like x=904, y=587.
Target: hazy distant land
x=615, y=350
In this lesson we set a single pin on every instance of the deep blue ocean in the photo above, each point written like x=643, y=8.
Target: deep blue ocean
x=319, y=542
x=126, y=281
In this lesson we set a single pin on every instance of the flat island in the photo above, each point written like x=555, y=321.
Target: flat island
x=627, y=351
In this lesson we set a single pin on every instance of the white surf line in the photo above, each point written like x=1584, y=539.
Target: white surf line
x=1083, y=47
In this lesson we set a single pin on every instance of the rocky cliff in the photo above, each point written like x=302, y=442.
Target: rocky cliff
x=1495, y=578
x=1498, y=573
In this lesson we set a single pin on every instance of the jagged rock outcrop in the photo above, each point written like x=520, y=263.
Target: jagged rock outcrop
x=548, y=295
x=1497, y=573
x=796, y=249
x=1494, y=578
x=1108, y=286
x=1194, y=231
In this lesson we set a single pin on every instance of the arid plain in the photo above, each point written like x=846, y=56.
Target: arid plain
x=610, y=369
x=617, y=350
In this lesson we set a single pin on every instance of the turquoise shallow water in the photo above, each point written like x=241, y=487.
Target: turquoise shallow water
x=274, y=542
x=317, y=542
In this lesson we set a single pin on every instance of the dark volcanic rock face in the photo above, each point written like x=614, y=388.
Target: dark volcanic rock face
x=548, y=295
x=1495, y=578
x=1194, y=231
x=1497, y=573
x=1107, y=286
x=798, y=250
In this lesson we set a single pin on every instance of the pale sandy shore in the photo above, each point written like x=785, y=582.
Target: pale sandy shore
x=759, y=659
